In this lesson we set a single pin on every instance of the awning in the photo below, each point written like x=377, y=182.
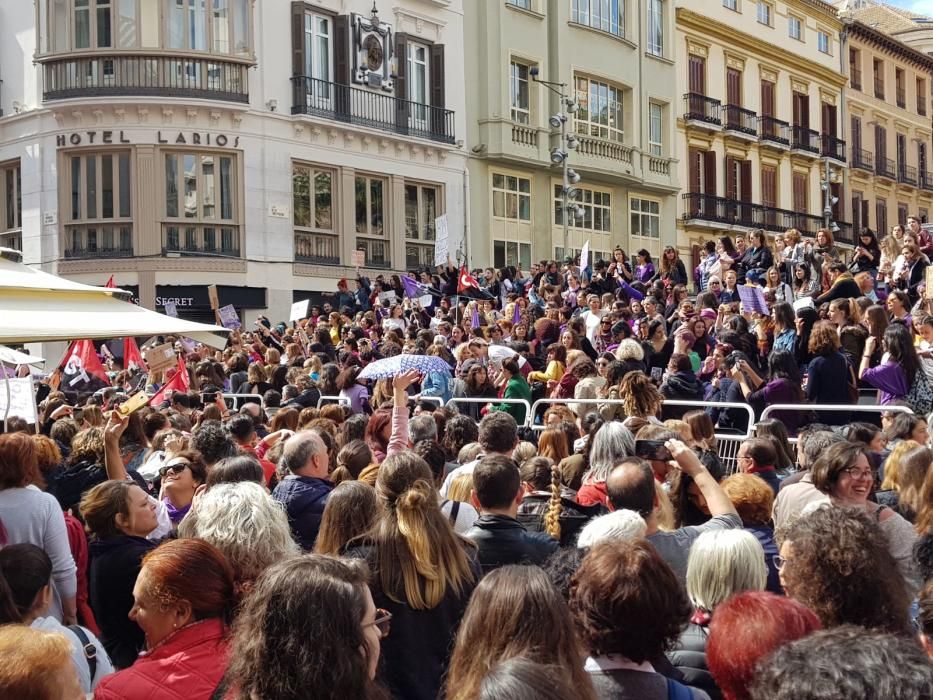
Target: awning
x=15, y=357
x=38, y=307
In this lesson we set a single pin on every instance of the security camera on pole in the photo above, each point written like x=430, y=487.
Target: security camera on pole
x=829, y=201
x=560, y=155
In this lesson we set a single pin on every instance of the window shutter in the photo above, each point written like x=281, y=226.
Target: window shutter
x=767, y=98
x=865, y=205
x=697, y=75
x=694, y=159
x=733, y=87
x=857, y=214
x=342, y=64
x=800, y=193
x=439, y=123
x=769, y=186
x=835, y=189
x=730, y=178
x=745, y=176
x=298, y=38
x=401, y=80
x=709, y=174
x=856, y=133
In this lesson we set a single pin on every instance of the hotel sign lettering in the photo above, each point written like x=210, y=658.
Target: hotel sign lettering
x=188, y=138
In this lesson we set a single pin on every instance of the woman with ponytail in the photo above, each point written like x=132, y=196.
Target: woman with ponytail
x=423, y=574
x=550, y=507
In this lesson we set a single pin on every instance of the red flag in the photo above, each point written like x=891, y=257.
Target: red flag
x=83, y=370
x=465, y=280
x=110, y=283
x=132, y=358
x=178, y=382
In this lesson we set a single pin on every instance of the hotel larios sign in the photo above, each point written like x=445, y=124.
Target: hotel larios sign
x=188, y=138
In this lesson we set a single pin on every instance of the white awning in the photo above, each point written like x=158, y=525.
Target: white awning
x=15, y=357
x=38, y=307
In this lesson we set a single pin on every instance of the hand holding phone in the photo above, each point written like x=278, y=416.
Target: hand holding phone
x=134, y=403
x=652, y=450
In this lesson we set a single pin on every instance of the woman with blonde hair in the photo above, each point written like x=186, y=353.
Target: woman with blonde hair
x=424, y=575
x=37, y=665
x=461, y=487
x=905, y=473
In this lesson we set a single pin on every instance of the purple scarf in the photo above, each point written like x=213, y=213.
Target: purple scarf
x=175, y=514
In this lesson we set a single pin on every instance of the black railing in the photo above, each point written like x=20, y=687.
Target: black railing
x=746, y=214
x=317, y=248
x=845, y=233
x=740, y=119
x=774, y=130
x=98, y=240
x=805, y=139
x=855, y=77
x=885, y=167
x=879, y=87
x=833, y=147
x=201, y=241
x=78, y=252
x=906, y=174
x=159, y=76
x=352, y=105
x=865, y=160
x=702, y=108
x=926, y=179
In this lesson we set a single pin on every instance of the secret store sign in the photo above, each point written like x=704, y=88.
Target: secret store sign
x=187, y=138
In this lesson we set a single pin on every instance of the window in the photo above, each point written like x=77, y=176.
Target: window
x=100, y=216
x=599, y=110
x=656, y=27
x=316, y=239
x=200, y=204
x=645, y=217
x=900, y=88
x=823, y=42
x=511, y=197
x=765, y=12
x=524, y=4
x=418, y=81
x=881, y=215
x=731, y=4
x=655, y=128
x=596, y=205
x=878, y=72
x=11, y=218
x=369, y=196
x=518, y=89
x=800, y=191
x=794, y=27
x=921, y=97
x=420, y=213
x=505, y=253
x=605, y=15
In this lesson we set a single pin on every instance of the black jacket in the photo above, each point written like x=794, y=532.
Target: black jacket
x=681, y=386
x=573, y=517
x=304, y=498
x=114, y=565
x=846, y=288
x=502, y=540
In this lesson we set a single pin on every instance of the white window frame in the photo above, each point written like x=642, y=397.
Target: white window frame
x=371, y=237
x=223, y=223
x=423, y=223
x=824, y=42
x=655, y=41
x=418, y=79
x=11, y=204
x=507, y=195
x=314, y=40
x=513, y=253
x=642, y=212
x=656, y=128
x=792, y=22
x=608, y=95
x=765, y=13
x=86, y=226
x=604, y=15
x=597, y=210
x=731, y=5
x=520, y=114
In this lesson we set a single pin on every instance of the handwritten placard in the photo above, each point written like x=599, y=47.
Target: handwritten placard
x=22, y=400
x=359, y=258
x=441, y=245
x=171, y=309
x=160, y=357
x=753, y=300
x=229, y=318
x=299, y=310
x=928, y=283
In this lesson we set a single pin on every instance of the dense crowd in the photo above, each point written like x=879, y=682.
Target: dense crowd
x=644, y=533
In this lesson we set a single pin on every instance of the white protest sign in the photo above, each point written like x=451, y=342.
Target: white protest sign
x=171, y=309
x=441, y=252
x=585, y=257
x=22, y=399
x=299, y=310
x=229, y=318
x=387, y=296
x=359, y=258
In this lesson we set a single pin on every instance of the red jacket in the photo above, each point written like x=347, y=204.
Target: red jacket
x=186, y=666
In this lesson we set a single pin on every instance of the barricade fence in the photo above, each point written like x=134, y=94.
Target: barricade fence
x=333, y=399
x=235, y=401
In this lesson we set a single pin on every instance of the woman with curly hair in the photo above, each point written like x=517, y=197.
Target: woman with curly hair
x=837, y=562
x=515, y=612
x=642, y=400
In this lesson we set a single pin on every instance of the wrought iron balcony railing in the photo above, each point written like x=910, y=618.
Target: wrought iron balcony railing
x=740, y=119
x=703, y=109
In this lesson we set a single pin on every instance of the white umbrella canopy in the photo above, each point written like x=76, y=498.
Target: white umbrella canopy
x=15, y=357
x=38, y=307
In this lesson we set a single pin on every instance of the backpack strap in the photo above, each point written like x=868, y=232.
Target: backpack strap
x=454, y=510
x=90, y=651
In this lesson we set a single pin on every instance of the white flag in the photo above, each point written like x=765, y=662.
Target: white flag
x=585, y=257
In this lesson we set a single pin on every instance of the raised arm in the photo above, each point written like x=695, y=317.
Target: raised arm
x=716, y=499
x=400, y=440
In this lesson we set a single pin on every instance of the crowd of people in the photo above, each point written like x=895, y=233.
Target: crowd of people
x=442, y=534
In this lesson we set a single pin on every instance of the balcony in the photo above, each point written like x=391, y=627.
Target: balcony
x=82, y=242
x=702, y=111
x=743, y=122
x=524, y=135
x=884, y=167
x=317, y=248
x=774, y=132
x=603, y=148
x=833, y=147
x=145, y=76
x=926, y=180
x=855, y=77
x=200, y=241
x=879, y=87
x=805, y=140
x=730, y=212
x=351, y=105
x=906, y=174
x=862, y=159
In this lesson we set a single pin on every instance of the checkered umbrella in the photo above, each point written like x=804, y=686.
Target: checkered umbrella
x=391, y=366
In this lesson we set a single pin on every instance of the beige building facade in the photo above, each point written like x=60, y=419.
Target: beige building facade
x=761, y=117
x=889, y=129
x=615, y=61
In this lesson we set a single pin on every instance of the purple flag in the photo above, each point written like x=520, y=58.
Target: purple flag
x=413, y=288
x=476, y=323
x=516, y=315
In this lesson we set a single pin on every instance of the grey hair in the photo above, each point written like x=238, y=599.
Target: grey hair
x=630, y=349
x=723, y=563
x=245, y=523
x=611, y=444
x=816, y=443
x=300, y=448
x=469, y=452
x=422, y=428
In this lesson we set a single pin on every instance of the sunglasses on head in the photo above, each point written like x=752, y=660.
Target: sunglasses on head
x=174, y=468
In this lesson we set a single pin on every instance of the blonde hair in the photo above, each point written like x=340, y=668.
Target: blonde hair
x=723, y=563
x=32, y=662
x=552, y=516
x=460, y=487
x=681, y=428
x=792, y=236
x=574, y=356
x=666, y=520
x=93, y=416
x=893, y=463
x=523, y=451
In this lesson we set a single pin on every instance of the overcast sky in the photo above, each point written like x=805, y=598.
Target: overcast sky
x=924, y=7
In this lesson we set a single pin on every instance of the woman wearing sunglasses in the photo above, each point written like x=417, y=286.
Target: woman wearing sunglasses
x=320, y=609
x=181, y=475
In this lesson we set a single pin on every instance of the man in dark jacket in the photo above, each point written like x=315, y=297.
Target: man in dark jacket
x=500, y=538
x=681, y=384
x=305, y=490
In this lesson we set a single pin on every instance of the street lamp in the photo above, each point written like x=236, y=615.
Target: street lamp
x=828, y=199
x=560, y=155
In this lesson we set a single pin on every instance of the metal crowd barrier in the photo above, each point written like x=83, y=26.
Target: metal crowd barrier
x=438, y=399
x=833, y=407
x=337, y=399
x=495, y=401
x=235, y=401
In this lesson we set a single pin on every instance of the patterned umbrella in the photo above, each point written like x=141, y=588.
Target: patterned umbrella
x=391, y=366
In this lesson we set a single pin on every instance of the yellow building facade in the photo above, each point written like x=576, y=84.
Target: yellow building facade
x=888, y=129
x=761, y=119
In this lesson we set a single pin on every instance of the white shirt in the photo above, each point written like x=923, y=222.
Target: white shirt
x=104, y=666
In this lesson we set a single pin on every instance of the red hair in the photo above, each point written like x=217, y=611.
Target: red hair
x=19, y=461
x=745, y=629
x=195, y=571
x=377, y=423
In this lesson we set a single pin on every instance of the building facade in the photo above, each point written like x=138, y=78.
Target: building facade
x=613, y=60
x=762, y=118
x=251, y=144
x=889, y=129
